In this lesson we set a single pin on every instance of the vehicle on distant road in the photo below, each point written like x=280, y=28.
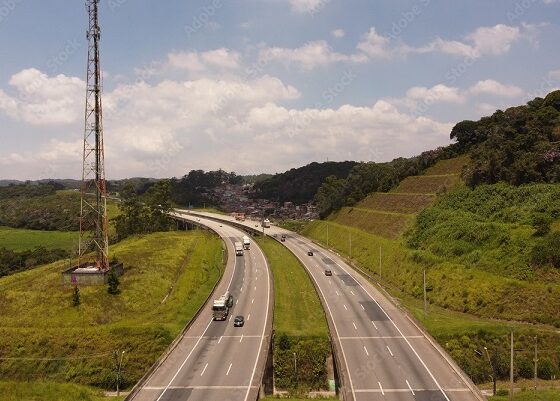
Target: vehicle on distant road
x=238, y=249
x=221, y=306
x=246, y=243
x=310, y=252
x=283, y=237
x=239, y=321
x=328, y=273
x=266, y=223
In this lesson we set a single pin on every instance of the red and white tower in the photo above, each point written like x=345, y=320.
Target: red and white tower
x=93, y=216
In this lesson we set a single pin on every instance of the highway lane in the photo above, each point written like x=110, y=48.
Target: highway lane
x=215, y=361
x=385, y=356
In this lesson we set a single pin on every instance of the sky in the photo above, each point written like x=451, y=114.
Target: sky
x=262, y=86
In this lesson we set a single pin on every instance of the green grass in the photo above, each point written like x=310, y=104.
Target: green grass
x=449, y=166
x=300, y=325
x=388, y=225
x=22, y=239
x=167, y=278
x=47, y=391
x=427, y=184
x=543, y=395
x=397, y=203
x=297, y=308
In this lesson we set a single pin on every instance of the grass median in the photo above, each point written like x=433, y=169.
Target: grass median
x=300, y=325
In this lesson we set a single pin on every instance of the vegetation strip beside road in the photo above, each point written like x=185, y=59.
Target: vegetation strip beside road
x=48, y=391
x=459, y=333
x=300, y=324
x=43, y=337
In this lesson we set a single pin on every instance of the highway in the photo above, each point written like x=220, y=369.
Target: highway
x=384, y=355
x=215, y=361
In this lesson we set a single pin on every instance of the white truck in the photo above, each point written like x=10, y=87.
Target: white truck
x=220, y=308
x=266, y=223
x=238, y=249
x=246, y=243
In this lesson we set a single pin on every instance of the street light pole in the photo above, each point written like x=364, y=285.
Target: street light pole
x=493, y=375
x=119, y=366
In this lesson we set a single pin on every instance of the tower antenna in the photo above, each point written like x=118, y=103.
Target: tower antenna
x=93, y=210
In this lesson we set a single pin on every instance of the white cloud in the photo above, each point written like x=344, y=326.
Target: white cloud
x=491, y=87
x=436, y=94
x=41, y=99
x=309, y=56
x=307, y=6
x=375, y=45
x=338, y=33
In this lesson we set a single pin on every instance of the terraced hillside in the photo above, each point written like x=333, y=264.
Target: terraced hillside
x=390, y=214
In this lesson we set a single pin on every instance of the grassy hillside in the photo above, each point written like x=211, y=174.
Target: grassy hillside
x=47, y=391
x=390, y=214
x=300, y=325
x=167, y=278
x=22, y=239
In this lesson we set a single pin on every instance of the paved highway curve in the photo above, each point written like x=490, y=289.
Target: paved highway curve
x=386, y=357
x=215, y=361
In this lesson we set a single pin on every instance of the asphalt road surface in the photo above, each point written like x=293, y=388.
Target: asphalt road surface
x=386, y=357
x=215, y=361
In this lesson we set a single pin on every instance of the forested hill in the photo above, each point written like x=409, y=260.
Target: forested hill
x=299, y=185
x=518, y=146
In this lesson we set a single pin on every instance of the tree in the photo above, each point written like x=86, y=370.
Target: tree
x=130, y=221
x=76, y=296
x=158, y=201
x=113, y=283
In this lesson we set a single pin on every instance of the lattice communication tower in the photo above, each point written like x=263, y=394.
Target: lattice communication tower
x=93, y=215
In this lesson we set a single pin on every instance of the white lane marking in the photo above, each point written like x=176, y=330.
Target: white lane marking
x=365, y=349
x=352, y=292
x=390, y=352
x=345, y=307
x=220, y=340
x=264, y=325
x=227, y=373
x=354, y=325
x=256, y=278
x=336, y=292
x=204, y=370
x=362, y=307
x=230, y=316
x=381, y=388
x=241, y=290
x=248, y=317
x=253, y=300
x=196, y=345
x=401, y=333
x=372, y=322
x=241, y=339
x=236, y=301
x=411, y=390
x=255, y=288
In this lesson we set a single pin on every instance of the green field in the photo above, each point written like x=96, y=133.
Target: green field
x=21, y=239
x=47, y=391
x=543, y=395
x=167, y=278
x=300, y=325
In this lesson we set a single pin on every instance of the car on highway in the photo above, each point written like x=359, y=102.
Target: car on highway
x=310, y=253
x=328, y=272
x=239, y=321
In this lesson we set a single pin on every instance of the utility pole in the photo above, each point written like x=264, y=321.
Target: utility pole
x=536, y=360
x=425, y=295
x=511, y=370
x=379, y=261
x=350, y=234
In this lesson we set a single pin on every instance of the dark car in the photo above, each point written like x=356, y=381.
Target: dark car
x=239, y=321
x=310, y=252
x=328, y=273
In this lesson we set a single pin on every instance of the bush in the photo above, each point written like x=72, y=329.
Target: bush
x=525, y=367
x=546, y=369
x=547, y=251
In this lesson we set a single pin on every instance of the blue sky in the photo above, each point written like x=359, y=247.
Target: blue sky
x=263, y=85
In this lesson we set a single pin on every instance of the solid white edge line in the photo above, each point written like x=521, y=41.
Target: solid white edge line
x=400, y=332
x=264, y=325
x=196, y=345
